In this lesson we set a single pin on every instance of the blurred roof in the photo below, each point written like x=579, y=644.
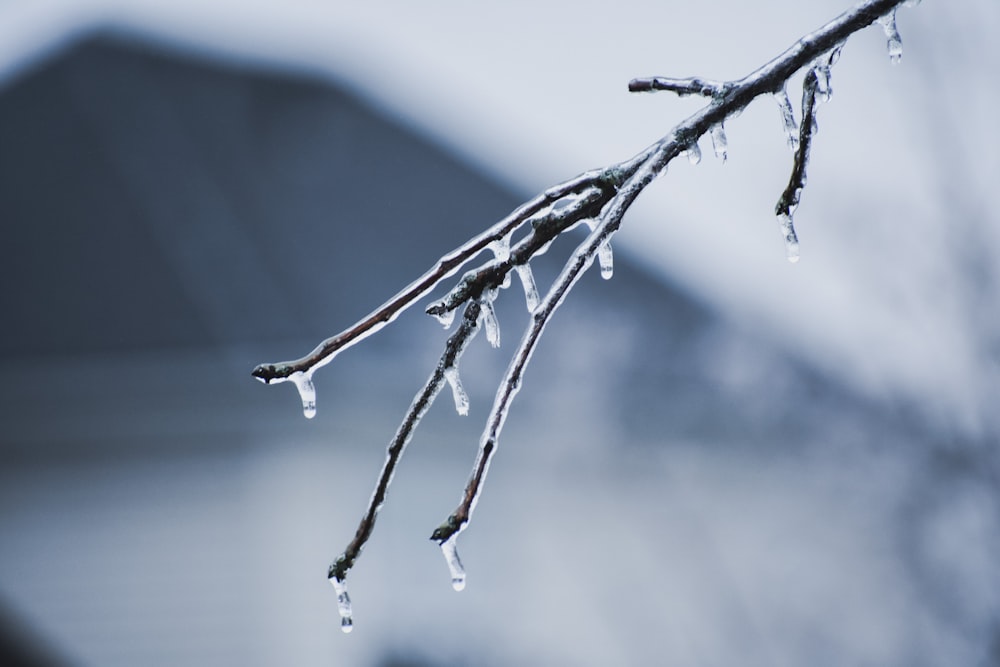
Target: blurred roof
x=896, y=243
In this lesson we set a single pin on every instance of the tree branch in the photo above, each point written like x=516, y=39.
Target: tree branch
x=598, y=198
x=789, y=200
x=510, y=385
x=448, y=265
x=683, y=87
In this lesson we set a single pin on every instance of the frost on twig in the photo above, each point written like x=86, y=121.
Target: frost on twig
x=817, y=81
x=596, y=200
x=789, y=200
x=787, y=118
x=683, y=87
x=894, y=43
x=422, y=402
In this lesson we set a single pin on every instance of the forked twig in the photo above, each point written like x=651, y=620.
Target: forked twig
x=599, y=199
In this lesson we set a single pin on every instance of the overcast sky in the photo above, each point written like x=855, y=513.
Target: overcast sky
x=896, y=291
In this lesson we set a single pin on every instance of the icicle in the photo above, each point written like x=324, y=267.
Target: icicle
x=719, y=143
x=528, y=282
x=343, y=604
x=457, y=391
x=823, y=90
x=821, y=68
x=787, y=118
x=489, y=316
x=788, y=234
x=501, y=252
x=895, y=42
x=693, y=153
x=606, y=260
x=307, y=392
x=835, y=53
x=445, y=318
x=450, y=551
x=605, y=257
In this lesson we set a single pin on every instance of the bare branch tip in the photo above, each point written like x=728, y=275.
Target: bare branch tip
x=446, y=530
x=682, y=87
x=268, y=373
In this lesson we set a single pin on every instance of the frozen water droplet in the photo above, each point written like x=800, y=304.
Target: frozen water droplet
x=693, y=153
x=787, y=118
x=606, y=260
x=530, y=289
x=450, y=551
x=490, y=323
x=787, y=229
x=501, y=248
x=343, y=604
x=501, y=252
x=823, y=90
x=605, y=257
x=307, y=392
x=911, y=3
x=835, y=54
x=894, y=42
x=720, y=145
x=457, y=390
x=445, y=318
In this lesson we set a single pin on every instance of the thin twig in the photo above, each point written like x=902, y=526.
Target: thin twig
x=797, y=180
x=421, y=404
x=683, y=87
x=789, y=200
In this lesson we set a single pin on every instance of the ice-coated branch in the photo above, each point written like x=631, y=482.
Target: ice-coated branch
x=585, y=206
x=597, y=199
x=689, y=86
x=422, y=402
x=577, y=264
x=446, y=266
x=789, y=200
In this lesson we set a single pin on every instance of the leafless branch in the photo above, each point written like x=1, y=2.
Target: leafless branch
x=599, y=199
x=689, y=86
x=421, y=404
x=789, y=200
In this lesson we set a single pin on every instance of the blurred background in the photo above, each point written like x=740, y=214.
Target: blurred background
x=717, y=458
